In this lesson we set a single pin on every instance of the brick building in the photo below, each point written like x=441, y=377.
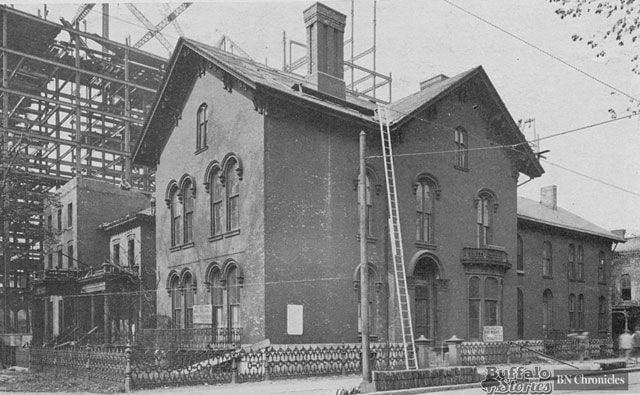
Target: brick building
x=625, y=286
x=563, y=267
x=80, y=270
x=257, y=168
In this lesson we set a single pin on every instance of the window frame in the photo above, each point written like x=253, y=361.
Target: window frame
x=425, y=210
x=70, y=215
x=572, y=312
x=232, y=204
x=131, y=251
x=461, y=148
x=217, y=197
x=625, y=287
x=482, y=302
x=571, y=265
x=484, y=219
x=202, y=127
x=602, y=314
x=580, y=259
x=175, y=211
x=548, y=312
x=580, y=312
x=188, y=209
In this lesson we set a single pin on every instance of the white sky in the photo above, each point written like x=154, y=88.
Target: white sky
x=419, y=39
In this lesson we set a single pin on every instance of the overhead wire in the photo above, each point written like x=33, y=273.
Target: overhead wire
x=594, y=78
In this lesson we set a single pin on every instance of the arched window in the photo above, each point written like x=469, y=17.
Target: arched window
x=571, y=266
x=572, y=311
x=547, y=312
x=425, y=196
x=625, y=287
x=601, y=268
x=188, y=290
x=233, y=298
x=462, y=148
x=201, y=127
x=23, y=323
x=580, y=274
x=217, y=302
x=175, y=207
x=217, y=207
x=485, y=220
x=547, y=259
x=581, y=311
x=602, y=314
x=520, y=255
x=232, y=196
x=474, y=307
x=189, y=202
x=520, y=313
x=176, y=302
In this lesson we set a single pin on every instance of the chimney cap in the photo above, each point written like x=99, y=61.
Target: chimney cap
x=326, y=15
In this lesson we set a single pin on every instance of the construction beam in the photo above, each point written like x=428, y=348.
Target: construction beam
x=150, y=26
x=155, y=30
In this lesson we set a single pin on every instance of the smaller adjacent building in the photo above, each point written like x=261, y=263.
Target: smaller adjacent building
x=625, y=286
x=563, y=271
x=99, y=265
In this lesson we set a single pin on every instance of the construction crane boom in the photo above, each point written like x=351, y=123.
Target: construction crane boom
x=155, y=30
x=82, y=12
x=176, y=25
x=150, y=26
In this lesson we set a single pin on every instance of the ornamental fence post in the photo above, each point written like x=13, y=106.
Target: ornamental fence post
x=234, y=369
x=127, y=371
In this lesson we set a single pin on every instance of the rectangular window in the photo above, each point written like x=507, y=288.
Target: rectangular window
x=59, y=219
x=115, y=255
x=188, y=307
x=70, y=215
x=461, y=148
x=49, y=222
x=580, y=274
x=59, y=262
x=571, y=265
x=70, y=260
x=131, y=252
x=50, y=261
x=572, y=312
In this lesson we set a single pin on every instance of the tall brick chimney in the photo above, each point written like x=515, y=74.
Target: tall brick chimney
x=549, y=197
x=325, y=49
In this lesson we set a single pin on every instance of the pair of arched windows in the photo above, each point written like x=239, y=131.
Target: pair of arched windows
x=223, y=184
x=181, y=201
x=225, y=285
x=182, y=290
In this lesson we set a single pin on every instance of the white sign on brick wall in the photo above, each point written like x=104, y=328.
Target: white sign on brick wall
x=202, y=313
x=492, y=333
x=294, y=319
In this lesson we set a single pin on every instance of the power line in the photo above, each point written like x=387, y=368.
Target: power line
x=593, y=178
x=543, y=51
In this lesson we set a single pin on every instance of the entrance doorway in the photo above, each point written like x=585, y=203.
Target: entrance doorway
x=424, y=280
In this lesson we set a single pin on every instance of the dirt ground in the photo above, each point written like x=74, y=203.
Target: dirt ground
x=20, y=380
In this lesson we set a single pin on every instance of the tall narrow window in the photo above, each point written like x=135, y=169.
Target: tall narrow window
x=547, y=313
x=424, y=209
x=50, y=261
x=491, y=301
x=520, y=255
x=188, y=300
x=233, y=197
x=484, y=211
x=547, y=259
x=176, y=303
x=461, y=148
x=233, y=298
x=49, y=224
x=520, y=313
x=625, y=287
x=131, y=252
x=571, y=265
x=217, y=207
x=474, y=308
x=369, y=202
x=572, y=311
x=581, y=311
x=601, y=267
x=580, y=274
x=70, y=260
x=59, y=219
x=216, y=299
x=602, y=314
x=70, y=215
x=201, y=125
x=115, y=255
x=188, y=201
x=176, y=218
x=59, y=260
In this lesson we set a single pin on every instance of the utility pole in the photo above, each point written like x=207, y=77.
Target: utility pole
x=364, y=270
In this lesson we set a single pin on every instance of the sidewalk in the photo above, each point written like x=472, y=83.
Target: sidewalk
x=330, y=385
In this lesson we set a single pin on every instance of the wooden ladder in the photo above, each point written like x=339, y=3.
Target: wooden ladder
x=396, y=242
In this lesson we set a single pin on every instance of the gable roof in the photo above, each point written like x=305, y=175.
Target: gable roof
x=560, y=218
x=292, y=87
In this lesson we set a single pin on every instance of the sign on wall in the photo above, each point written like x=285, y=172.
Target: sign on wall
x=492, y=333
x=202, y=313
x=294, y=319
